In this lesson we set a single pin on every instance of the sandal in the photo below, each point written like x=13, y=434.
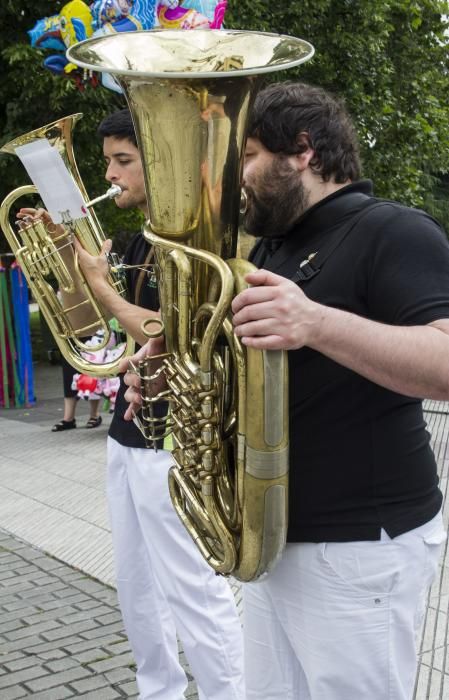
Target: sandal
x=64, y=425
x=94, y=422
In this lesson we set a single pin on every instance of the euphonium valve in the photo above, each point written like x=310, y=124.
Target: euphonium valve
x=45, y=254
x=190, y=94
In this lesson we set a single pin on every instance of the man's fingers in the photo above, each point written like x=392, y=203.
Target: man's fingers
x=143, y=352
x=123, y=365
x=106, y=247
x=264, y=277
x=26, y=212
x=265, y=286
x=254, y=312
x=262, y=327
x=266, y=342
x=135, y=401
x=126, y=363
x=253, y=295
x=132, y=396
x=34, y=213
x=129, y=413
x=132, y=379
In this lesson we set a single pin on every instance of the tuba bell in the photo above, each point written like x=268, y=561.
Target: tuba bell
x=44, y=257
x=190, y=93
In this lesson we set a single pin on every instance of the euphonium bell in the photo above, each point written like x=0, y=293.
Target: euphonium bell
x=73, y=313
x=190, y=93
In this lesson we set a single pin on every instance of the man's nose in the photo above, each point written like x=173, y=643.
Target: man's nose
x=111, y=174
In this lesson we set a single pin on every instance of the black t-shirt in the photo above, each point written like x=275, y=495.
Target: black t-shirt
x=360, y=458
x=125, y=432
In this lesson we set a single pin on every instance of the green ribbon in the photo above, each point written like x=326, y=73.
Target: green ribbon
x=7, y=340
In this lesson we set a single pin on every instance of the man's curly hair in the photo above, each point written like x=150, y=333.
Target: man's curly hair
x=284, y=110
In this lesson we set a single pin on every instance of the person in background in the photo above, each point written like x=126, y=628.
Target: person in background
x=71, y=399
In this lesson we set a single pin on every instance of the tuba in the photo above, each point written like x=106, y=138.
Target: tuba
x=43, y=258
x=190, y=93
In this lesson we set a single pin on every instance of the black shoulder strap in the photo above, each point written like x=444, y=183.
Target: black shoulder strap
x=142, y=274
x=311, y=266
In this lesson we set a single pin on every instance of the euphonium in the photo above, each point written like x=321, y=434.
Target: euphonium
x=42, y=257
x=190, y=93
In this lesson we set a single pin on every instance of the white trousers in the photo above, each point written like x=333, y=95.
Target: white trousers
x=166, y=588
x=341, y=621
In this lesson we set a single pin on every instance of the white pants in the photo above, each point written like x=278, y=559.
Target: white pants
x=340, y=621
x=165, y=587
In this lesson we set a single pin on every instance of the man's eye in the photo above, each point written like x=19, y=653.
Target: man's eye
x=124, y=162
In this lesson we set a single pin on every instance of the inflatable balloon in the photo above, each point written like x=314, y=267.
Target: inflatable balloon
x=78, y=21
x=75, y=23
x=123, y=15
x=46, y=34
x=191, y=14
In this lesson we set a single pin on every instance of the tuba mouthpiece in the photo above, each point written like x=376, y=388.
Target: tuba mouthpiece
x=243, y=201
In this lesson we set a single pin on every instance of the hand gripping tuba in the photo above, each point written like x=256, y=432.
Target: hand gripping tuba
x=190, y=94
x=74, y=312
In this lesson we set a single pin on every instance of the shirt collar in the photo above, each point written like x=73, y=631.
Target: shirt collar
x=332, y=209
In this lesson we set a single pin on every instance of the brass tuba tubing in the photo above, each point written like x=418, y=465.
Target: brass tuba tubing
x=190, y=94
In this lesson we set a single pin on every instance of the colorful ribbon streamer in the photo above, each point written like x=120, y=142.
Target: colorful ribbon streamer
x=16, y=366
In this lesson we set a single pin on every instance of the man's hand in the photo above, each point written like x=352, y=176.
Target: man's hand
x=94, y=267
x=153, y=348
x=35, y=215
x=274, y=313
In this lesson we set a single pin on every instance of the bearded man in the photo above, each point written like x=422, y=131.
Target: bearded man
x=356, y=289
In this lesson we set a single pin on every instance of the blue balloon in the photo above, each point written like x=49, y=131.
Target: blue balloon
x=46, y=35
x=56, y=64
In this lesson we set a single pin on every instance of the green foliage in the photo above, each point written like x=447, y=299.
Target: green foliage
x=388, y=59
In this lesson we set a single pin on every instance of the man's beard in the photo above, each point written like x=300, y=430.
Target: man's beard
x=277, y=201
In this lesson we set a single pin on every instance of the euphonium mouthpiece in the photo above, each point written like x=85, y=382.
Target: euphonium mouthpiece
x=112, y=192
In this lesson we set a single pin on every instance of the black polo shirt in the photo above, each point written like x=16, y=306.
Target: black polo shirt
x=360, y=458
x=125, y=432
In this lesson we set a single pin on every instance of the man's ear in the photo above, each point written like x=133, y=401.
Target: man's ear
x=305, y=151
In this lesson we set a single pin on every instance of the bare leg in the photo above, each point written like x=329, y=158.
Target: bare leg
x=95, y=418
x=69, y=408
x=94, y=407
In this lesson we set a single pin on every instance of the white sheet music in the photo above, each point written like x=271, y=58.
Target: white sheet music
x=47, y=170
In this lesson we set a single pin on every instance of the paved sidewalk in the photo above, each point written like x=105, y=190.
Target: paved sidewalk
x=61, y=633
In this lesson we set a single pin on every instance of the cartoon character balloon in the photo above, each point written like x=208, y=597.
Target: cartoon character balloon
x=191, y=14
x=78, y=21
x=123, y=15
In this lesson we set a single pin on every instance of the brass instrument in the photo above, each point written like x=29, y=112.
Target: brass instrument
x=42, y=257
x=190, y=94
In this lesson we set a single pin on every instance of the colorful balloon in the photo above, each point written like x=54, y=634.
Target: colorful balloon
x=123, y=15
x=78, y=21
x=191, y=14
x=46, y=34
